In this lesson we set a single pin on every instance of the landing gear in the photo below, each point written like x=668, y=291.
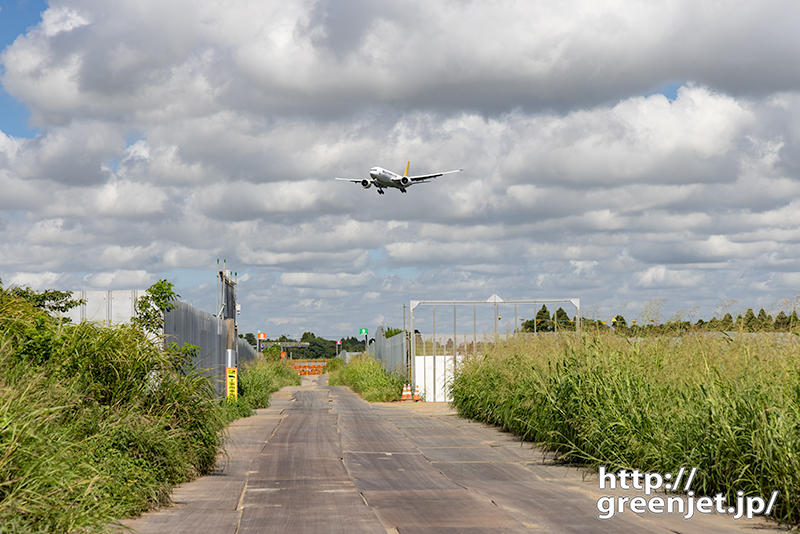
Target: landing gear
x=380, y=191
x=402, y=190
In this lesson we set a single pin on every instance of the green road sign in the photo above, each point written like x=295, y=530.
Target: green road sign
x=363, y=332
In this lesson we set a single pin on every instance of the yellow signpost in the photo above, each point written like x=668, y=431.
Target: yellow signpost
x=231, y=383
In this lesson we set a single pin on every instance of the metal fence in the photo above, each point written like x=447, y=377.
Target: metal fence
x=392, y=352
x=347, y=356
x=245, y=350
x=466, y=327
x=185, y=324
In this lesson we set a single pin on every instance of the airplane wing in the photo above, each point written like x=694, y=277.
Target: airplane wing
x=356, y=180
x=422, y=178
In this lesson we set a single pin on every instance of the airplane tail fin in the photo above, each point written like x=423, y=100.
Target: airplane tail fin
x=407, y=165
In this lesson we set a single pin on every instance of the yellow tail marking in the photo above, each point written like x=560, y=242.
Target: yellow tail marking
x=406, y=174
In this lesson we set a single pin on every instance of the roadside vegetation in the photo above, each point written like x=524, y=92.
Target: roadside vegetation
x=100, y=423
x=728, y=405
x=260, y=378
x=367, y=377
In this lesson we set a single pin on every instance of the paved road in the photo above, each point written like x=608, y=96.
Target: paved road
x=322, y=460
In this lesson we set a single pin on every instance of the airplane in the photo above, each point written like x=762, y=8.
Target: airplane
x=382, y=179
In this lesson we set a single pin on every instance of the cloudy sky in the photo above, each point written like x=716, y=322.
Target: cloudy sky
x=613, y=151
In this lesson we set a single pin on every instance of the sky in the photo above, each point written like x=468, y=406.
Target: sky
x=641, y=156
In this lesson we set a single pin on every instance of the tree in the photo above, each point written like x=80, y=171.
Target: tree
x=593, y=325
x=250, y=338
x=763, y=321
x=321, y=348
x=620, y=322
x=543, y=323
x=540, y=323
x=781, y=322
x=389, y=332
x=352, y=344
x=748, y=323
x=563, y=321
x=151, y=307
x=49, y=300
x=307, y=337
x=726, y=323
x=272, y=353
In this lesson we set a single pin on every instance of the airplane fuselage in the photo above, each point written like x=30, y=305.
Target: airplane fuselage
x=382, y=178
x=386, y=178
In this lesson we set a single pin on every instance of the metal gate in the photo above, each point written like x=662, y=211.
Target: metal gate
x=435, y=354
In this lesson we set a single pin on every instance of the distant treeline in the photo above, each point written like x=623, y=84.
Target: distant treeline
x=317, y=347
x=749, y=322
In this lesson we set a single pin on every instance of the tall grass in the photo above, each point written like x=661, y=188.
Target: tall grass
x=368, y=378
x=262, y=377
x=95, y=423
x=729, y=406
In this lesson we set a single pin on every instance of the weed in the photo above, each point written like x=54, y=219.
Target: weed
x=728, y=405
x=95, y=423
x=368, y=378
x=261, y=378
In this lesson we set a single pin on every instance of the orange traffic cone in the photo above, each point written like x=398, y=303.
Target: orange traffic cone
x=407, y=393
x=416, y=394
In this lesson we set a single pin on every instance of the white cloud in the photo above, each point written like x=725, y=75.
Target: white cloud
x=38, y=281
x=120, y=279
x=326, y=281
x=661, y=277
x=175, y=133
x=61, y=19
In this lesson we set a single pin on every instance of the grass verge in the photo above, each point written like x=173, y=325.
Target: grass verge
x=95, y=423
x=729, y=406
x=368, y=378
x=101, y=423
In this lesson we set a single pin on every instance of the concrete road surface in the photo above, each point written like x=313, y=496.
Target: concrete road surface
x=322, y=460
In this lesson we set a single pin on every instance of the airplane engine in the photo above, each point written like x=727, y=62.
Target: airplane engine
x=366, y=184
x=404, y=181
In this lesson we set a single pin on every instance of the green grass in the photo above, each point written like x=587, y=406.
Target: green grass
x=258, y=380
x=728, y=406
x=261, y=378
x=368, y=378
x=101, y=423
x=334, y=365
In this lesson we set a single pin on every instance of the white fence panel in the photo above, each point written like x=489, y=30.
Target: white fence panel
x=434, y=374
x=105, y=307
x=392, y=352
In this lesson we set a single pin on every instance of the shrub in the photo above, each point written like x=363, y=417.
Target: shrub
x=368, y=378
x=261, y=378
x=729, y=406
x=100, y=418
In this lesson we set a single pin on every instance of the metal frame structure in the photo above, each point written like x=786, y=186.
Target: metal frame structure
x=496, y=301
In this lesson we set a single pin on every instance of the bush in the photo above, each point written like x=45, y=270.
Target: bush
x=368, y=378
x=728, y=406
x=100, y=418
x=236, y=408
x=261, y=378
x=100, y=423
x=334, y=365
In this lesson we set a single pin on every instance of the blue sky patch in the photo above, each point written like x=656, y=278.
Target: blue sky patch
x=15, y=19
x=670, y=90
